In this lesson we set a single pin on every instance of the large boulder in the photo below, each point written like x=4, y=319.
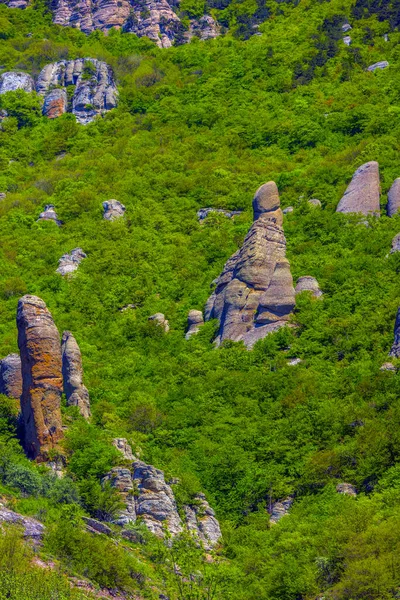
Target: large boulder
x=363, y=192
x=203, y=213
x=204, y=28
x=160, y=320
x=11, y=376
x=308, y=284
x=49, y=214
x=69, y=263
x=113, y=210
x=32, y=529
x=55, y=103
x=16, y=80
x=74, y=389
x=393, y=205
x=95, y=89
x=42, y=384
x=395, y=350
x=280, y=509
x=395, y=244
x=254, y=295
x=195, y=321
x=379, y=65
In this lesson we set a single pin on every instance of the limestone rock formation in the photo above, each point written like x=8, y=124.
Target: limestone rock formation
x=379, y=65
x=95, y=90
x=254, y=295
x=347, y=40
x=16, y=80
x=347, y=489
x=201, y=522
x=17, y=3
x=121, y=479
x=308, y=284
x=393, y=205
x=204, y=212
x=161, y=321
x=49, y=214
x=362, y=194
x=315, y=202
x=346, y=27
x=69, y=263
x=40, y=350
x=195, y=321
x=113, y=210
x=204, y=28
x=279, y=509
x=74, y=389
x=33, y=529
x=388, y=366
x=395, y=244
x=11, y=376
x=55, y=103
x=395, y=350
x=122, y=445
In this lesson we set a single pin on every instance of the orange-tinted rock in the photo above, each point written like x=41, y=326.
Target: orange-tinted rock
x=40, y=351
x=55, y=103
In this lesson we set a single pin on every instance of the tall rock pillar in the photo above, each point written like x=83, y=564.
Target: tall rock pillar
x=40, y=350
x=74, y=389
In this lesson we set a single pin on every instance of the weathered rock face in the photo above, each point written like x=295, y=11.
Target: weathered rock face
x=347, y=489
x=11, y=376
x=121, y=479
x=16, y=80
x=395, y=244
x=379, y=65
x=49, y=214
x=395, y=350
x=388, y=366
x=69, y=263
x=362, y=194
x=160, y=320
x=75, y=392
x=204, y=212
x=254, y=295
x=346, y=27
x=33, y=529
x=40, y=350
x=122, y=445
x=308, y=284
x=201, y=522
x=17, y=3
x=204, y=28
x=195, y=321
x=280, y=509
x=315, y=202
x=393, y=205
x=113, y=210
x=55, y=103
x=95, y=90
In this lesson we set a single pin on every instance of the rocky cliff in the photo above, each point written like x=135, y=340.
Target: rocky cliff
x=40, y=350
x=254, y=295
x=74, y=389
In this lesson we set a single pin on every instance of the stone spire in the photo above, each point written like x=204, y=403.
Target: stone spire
x=75, y=391
x=40, y=350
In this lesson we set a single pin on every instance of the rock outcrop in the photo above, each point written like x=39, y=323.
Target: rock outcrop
x=122, y=445
x=363, y=192
x=347, y=40
x=254, y=295
x=201, y=522
x=315, y=203
x=40, y=351
x=395, y=244
x=346, y=27
x=95, y=526
x=33, y=529
x=393, y=205
x=69, y=263
x=379, y=65
x=279, y=509
x=204, y=212
x=161, y=321
x=395, y=350
x=16, y=80
x=113, y=210
x=308, y=284
x=195, y=321
x=388, y=366
x=74, y=389
x=49, y=214
x=95, y=91
x=11, y=376
x=347, y=489
x=55, y=103
x=121, y=479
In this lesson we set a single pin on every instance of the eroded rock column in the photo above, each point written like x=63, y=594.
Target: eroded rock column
x=72, y=371
x=40, y=351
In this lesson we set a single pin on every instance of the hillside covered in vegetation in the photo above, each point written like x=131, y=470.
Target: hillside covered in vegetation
x=198, y=125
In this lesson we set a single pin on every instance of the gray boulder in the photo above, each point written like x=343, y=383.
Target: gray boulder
x=69, y=263
x=379, y=65
x=347, y=40
x=393, y=205
x=3, y=195
x=347, y=489
x=195, y=321
x=363, y=192
x=315, y=202
x=395, y=350
x=16, y=80
x=161, y=321
x=49, y=214
x=74, y=389
x=113, y=210
x=308, y=284
x=254, y=294
x=11, y=376
x=33, y=529
x=287, y=210
x=204, y=212
x=395, y=244
x=279, y=509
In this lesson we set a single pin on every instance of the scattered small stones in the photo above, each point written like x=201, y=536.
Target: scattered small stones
x=69, y=263
x=363, y=192
x=379, y=65
x=393, y=205
x=11, y=376
x=49, y=214
x=160, y=319
x=195, y=321
x=308, y=284
x=204, y=212
x=347, y=489
x=279, y=509
x=113, y=210
x=3, y=195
